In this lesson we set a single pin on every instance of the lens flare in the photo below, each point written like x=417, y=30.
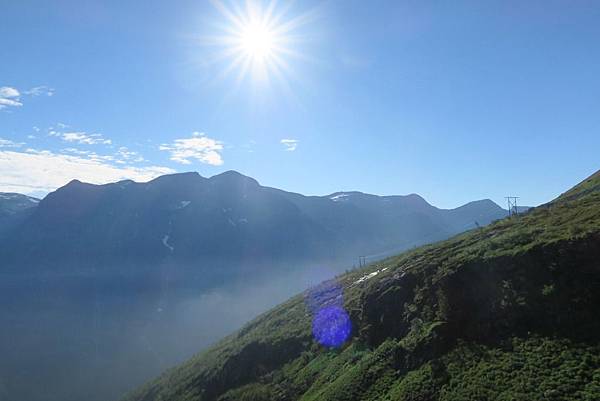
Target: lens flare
x=331, y=326
x=258, y=39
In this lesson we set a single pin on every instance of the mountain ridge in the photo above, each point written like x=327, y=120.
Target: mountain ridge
x=180, y=219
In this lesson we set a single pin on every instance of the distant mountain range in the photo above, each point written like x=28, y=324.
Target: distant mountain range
x=14, y=208
x=207, y=225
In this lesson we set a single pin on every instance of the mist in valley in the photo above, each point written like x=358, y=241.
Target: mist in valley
x=82, y=338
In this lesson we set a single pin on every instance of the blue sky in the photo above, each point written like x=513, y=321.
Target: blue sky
x=454, y=101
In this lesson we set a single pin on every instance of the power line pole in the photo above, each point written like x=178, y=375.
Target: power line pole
x=512, y=205
x=362, y=261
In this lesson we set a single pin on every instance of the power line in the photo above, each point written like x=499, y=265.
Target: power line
x=513, y=209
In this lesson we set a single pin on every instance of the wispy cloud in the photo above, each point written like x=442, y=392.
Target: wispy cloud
x=76, y=151
x=39, y=91
x=290, y=144
x=8, y=92
x=9, y=97
x=249, y=146
x=37, y=171
x=85, y=138
x=123, y=154
x=199, y=146
x=7, y=143
x=79, y=137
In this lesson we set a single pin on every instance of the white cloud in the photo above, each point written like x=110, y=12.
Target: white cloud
x=7, y=92
x=88, y=154
x=81, y=137
x=9, y=102
x=84, y=138
x=124, y=154
x=39, y=91
x=9, y=97
x=76, y=151
x=290, y=144
x=35, y=171
x=7, y=143
x=199, y=146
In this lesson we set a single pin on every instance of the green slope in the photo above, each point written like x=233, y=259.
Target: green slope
x=507, y=312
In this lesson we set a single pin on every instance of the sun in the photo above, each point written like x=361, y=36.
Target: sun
x=257, y=39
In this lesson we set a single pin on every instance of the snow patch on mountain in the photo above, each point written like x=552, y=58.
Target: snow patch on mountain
x=370, y=275
x=183, y=204
x=339, y=197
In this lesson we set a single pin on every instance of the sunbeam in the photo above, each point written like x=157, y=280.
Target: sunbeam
x=257, y=40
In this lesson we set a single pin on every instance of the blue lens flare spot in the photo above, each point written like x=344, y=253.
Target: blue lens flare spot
x=328, y=293
x=331, y=326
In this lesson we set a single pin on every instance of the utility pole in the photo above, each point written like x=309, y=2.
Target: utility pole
x=512, y=205
x=362, y=261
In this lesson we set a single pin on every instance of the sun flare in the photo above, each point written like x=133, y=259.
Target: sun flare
x=258, y=40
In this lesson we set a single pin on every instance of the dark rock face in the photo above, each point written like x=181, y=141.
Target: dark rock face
x=549, y=290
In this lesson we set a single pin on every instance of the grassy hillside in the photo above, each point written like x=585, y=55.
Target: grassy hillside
x=507, y=312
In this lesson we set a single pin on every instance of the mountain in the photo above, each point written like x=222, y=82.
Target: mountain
x=182, y=218
x=204, y=226
x=376, y=224
x=505, y=312
x=14, y=208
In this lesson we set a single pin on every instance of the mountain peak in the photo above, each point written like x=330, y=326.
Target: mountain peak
x=188, y=175
x=177, y=181
x=482, y=203
x=232, y=176
x=73, y=182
